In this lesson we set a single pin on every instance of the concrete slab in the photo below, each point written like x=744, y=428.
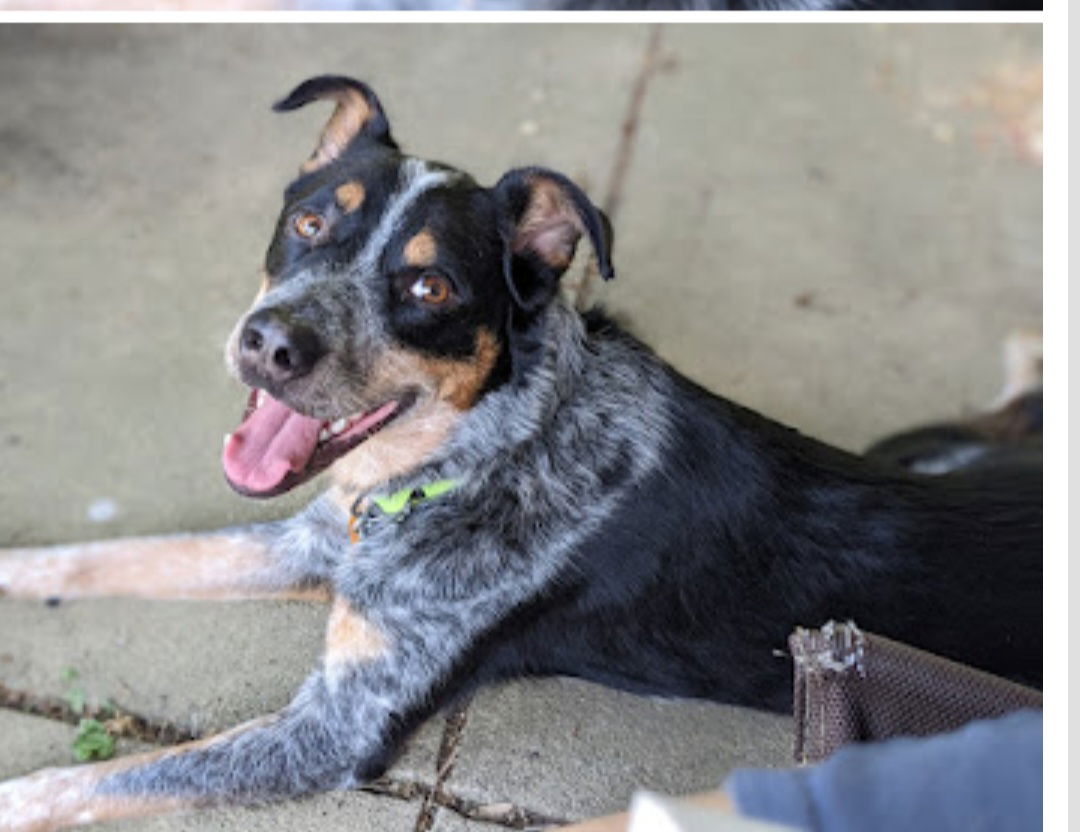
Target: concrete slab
x=447, y=821
x=829, y=225
x=168, y=662
x=32, y=742
x=334, y=812
x=577, y=750
x=164, y=661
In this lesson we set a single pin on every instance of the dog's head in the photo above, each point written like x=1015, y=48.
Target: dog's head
x=397, y=293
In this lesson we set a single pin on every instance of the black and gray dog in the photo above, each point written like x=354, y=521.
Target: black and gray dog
x=516, y=489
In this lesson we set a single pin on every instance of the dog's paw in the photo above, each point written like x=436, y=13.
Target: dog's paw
x=54, y=798
x=7, y=577
x=29, y=573
x=5, y=580
x=25, y=803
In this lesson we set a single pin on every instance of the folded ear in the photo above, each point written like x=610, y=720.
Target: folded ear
x=546, y=214
x=358, y=116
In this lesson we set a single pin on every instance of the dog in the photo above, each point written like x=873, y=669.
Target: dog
x=515, y=489
x=1007, y=435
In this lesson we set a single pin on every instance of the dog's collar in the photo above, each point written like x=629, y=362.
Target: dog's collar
x=397, y=505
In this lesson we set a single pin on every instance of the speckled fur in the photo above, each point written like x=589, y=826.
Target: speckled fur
x=531, y=460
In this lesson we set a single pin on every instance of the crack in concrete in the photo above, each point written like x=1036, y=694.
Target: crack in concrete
x=651, y=63
x=444, y=764
x=441, y=796
x=119, y=722
x=505, y=814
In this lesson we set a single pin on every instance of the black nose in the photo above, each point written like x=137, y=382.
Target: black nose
x=274, y=351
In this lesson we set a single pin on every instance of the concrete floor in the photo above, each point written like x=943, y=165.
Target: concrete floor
x=834, y=224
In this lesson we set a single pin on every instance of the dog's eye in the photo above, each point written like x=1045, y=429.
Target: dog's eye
x=431, y=288
x=308, y=225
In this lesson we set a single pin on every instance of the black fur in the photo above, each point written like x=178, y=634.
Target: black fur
x=750, y=529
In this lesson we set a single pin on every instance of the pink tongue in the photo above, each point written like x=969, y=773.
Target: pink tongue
x=271, y=442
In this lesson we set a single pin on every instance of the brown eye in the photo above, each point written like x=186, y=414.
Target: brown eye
x=309, y=225
x=431, y=288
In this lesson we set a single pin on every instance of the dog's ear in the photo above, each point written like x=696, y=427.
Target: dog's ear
x=545, y=216
x=357, y=117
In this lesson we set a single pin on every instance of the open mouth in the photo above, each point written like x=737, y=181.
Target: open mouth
x=275, y=448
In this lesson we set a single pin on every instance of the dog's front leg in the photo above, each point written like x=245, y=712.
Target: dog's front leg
x=301, y=750
x=379, y=672
x=286, y=559
x=55, y=798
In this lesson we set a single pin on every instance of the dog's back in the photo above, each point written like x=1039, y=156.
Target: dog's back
x=746, y=528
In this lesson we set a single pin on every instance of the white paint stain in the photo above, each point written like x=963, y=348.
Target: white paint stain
x=102, y=510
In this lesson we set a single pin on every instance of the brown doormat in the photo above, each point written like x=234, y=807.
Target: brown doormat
x=852, y=686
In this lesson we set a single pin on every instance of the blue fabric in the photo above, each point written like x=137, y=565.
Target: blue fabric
x=986, y=777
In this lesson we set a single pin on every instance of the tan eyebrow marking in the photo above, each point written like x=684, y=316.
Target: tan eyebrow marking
x=421, y=249
x=350, y=196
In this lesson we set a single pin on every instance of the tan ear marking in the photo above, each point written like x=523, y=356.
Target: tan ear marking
x=350, y=196
x=421, y=250
x=350, y=115
x=550, y=226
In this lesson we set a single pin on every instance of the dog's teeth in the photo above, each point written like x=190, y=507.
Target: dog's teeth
x=338, y=426
x=225, y=441
x=324, y=434
x=260, y=398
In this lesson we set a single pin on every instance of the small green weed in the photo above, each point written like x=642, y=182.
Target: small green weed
x=75, y=695
x=92, y=739
x=92, y=742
